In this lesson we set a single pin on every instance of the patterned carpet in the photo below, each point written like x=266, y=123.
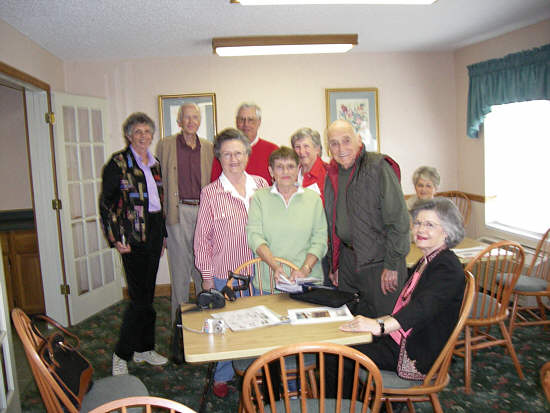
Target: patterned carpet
x=496, y=385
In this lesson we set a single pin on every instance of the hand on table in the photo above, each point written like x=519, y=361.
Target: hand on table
x=361, y=324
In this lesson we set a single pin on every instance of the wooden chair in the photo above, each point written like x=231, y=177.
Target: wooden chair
x=147, y=402
x=496, y=270
x=536, y=283
x=253, y=396
x=397, y=389
x=462, y=201
x=255, y=268
x=54, y=398
x=545, y=379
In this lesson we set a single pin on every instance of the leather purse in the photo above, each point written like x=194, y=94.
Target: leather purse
x=70, y=369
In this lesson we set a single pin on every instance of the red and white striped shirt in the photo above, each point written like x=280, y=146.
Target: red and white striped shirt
x=220, y=236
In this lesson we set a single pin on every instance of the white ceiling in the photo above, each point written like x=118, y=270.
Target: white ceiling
x=121, y=29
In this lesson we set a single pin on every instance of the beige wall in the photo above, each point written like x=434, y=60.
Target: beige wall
x=14, y=164
x=416, y=95
x=471, y=151
x=22, y=53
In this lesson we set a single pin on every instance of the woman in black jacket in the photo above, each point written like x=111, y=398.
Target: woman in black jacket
x=428, y=307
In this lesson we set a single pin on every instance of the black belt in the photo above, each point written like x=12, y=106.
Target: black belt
x=194, y=202
x=345, y=244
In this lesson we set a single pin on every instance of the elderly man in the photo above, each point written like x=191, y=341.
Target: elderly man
x=369, y=222
x=306, y=142
x=249, y=118
x=186, y=162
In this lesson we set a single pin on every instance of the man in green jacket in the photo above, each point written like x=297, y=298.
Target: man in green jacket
x=368, y=222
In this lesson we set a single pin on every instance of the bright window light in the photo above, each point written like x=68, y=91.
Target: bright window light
x=517, y=144
x=283, y=49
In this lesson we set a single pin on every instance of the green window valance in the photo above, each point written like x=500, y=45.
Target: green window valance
x=517, y=77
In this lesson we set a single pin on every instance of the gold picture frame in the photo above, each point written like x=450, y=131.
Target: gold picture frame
x=359, y=106
x=168, y=110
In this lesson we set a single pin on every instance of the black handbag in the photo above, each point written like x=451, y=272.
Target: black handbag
x=326, y=296
x=70, y=369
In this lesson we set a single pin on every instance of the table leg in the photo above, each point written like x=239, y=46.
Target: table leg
x=207, y=387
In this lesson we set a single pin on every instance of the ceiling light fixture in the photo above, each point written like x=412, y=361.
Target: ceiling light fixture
x=301, y=2
x=275, y=45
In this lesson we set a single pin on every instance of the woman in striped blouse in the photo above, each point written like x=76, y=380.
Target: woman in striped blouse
x=220, y=236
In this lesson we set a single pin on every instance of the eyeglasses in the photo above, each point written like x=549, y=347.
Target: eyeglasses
x=428, y=225
x=247, y=120
x=228, y=155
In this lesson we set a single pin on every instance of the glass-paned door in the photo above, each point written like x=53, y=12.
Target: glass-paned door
x=93, y=269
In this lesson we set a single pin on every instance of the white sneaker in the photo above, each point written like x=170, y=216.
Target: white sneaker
x=151, y=357
x=119, y=366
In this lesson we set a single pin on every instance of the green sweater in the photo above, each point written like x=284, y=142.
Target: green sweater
x=290, y=232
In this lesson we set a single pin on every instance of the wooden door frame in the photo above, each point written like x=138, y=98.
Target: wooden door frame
x=23, y=79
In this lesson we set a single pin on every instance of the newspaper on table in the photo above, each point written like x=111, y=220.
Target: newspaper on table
x=248, y=318
x=314, y=315
x=284, y=284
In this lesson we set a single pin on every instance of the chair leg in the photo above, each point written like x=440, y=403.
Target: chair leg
x=435, y=403
x=467, y=359
x=410, y=406
x=389, y=409
x=511, y=350
x=514, y=314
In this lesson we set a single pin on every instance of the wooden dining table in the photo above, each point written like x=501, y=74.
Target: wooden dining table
x=415, y=253
x=202, y=347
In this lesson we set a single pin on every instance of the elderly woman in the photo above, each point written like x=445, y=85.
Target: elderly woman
x=133, y=222
x=220, y=236
x=287, y=221
x=428, y=307
x=306, y=142
x=426, y=182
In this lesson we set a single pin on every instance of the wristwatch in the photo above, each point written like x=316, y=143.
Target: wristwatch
x=380, y=322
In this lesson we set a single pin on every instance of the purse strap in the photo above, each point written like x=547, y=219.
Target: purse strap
x=54, y=323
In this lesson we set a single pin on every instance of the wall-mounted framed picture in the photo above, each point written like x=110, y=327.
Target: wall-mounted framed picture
x=168, y=113
x=359, y=106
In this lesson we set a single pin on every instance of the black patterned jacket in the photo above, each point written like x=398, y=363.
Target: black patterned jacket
x=124, y=201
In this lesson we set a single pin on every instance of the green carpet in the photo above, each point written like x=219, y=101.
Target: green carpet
x=496, y=385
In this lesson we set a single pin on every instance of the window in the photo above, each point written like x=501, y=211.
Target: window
x=517, y=167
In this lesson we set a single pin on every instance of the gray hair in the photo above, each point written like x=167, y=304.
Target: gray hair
x=187, y=105
x=449, y=215
x=134, y=119
x=247, y=105
x=428, y=173
x=230, y=134
x=307, y=133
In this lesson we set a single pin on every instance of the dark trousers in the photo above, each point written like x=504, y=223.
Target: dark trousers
x=137, y=332
x=373, y=302
x=383, y=351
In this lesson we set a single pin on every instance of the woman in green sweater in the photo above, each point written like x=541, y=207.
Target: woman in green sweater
x=287, y=221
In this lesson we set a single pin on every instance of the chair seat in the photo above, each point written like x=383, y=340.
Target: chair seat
x=488, y=308
x=291, y=362
x=530, y=284
x=392, y=381
x=313, y=406
x=113, y=388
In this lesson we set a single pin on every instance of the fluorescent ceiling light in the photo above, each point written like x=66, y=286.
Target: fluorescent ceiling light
x=297, y=2
x=276, y=45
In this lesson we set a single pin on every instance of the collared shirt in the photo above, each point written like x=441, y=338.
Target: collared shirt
x=315, y=178
x=189, y=168
x=152, y=191
x=250, y=188
x=275, y=190
x=220, y=243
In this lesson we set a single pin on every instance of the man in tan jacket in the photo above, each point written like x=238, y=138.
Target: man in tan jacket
x=186, y=162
